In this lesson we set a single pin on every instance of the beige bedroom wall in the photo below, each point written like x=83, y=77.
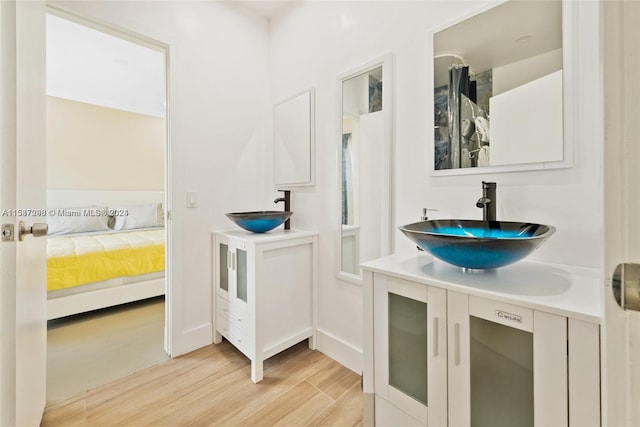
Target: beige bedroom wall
x=96, y=148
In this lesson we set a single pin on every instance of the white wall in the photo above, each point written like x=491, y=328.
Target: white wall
x=518, y=73
x=314, y=42
x=218, y=109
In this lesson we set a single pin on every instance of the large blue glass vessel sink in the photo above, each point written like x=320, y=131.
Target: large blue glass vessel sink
x=259, y=221
x=478, y=245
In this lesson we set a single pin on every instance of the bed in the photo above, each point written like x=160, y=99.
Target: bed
x=104, y=248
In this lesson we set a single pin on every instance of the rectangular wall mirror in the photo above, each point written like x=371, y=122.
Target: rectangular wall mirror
x=364, y=166
x=500, y=90
x=294, y=139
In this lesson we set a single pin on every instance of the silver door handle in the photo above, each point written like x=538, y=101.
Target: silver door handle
x=626, y=286
x=38, y=229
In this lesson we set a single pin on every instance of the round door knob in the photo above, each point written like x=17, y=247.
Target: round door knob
x=38, y=229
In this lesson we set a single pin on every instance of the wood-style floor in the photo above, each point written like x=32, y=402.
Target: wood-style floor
x=88, y=350
x=212, y=387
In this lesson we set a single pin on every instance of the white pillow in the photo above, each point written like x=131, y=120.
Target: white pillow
x=137, y=216
x=77, y=220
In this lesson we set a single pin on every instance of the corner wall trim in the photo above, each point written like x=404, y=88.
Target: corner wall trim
x=339, y=350
x=193, y=339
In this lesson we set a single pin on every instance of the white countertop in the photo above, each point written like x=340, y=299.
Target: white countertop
x=274, y=235
x=565, y=290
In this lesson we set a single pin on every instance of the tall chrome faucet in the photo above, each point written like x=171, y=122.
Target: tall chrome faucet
x=488, y=201
x=287, y=206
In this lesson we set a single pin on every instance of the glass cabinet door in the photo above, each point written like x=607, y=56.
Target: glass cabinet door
x=501, y=366
x=507, y=364
x=408, y=346
x=241, y=274
x=410, y=331
x=223, y=267
x=232, y=270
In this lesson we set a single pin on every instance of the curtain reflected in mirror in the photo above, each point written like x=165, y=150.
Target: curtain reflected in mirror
x=462, y=120
x=362, y=180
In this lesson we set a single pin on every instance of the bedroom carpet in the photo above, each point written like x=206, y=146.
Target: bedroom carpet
x=88, y=350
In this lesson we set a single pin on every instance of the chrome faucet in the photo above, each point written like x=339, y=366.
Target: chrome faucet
x=287, y=206
x=488, y=201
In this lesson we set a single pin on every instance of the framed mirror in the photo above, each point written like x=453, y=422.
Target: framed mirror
x=294, y=140
x=364, y=147
x=502, y=90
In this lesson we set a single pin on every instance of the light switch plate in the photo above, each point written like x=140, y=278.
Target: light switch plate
x=192, y=199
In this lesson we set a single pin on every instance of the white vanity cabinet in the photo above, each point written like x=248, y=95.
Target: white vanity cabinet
x=264, y=291
x=443, y=347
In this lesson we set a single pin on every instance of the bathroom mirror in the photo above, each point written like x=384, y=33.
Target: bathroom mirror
x=364, y=147
x=501, y=90
x=293, y=136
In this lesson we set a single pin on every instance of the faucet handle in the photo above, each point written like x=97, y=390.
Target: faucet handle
x=424, y=213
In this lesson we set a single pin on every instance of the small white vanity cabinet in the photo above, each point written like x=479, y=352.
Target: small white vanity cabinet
x=264, y=291
x=517, y=346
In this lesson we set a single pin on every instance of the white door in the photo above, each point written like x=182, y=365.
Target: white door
x=621, y=337
x=22, y=184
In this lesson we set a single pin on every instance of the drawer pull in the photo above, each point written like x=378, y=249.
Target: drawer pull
x=233, y=337
x=236, y=318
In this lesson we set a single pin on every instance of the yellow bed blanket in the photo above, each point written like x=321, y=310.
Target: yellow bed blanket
x=78, y=260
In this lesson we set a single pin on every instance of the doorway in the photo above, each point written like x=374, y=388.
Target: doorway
x=107, y=185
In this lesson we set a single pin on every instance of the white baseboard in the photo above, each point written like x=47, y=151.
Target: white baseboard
x=193, y=339
x=339, y=350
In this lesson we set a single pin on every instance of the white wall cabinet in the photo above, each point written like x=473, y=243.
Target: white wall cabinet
x=437, y=353
x=264, y=291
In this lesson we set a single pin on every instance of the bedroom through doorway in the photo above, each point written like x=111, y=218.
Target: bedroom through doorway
x=106, y=207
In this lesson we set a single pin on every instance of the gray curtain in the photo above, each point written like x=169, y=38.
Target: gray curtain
x=458, y=84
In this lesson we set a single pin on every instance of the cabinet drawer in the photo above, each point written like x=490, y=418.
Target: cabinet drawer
x=234, y=312
x=232, y=333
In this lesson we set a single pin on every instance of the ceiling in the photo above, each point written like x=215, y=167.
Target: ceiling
x=94, y=67
x=266, y=8
x=513, y=31
x=90, y=66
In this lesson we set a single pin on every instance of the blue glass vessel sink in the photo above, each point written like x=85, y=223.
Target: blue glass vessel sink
x=478, y=245
x=259, y=221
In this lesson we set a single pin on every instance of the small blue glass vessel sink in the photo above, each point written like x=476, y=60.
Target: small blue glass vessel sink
x=478, y=245
x=259, y=221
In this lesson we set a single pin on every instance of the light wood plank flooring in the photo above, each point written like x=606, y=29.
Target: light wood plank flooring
x=212, y=387
x=91, y=349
